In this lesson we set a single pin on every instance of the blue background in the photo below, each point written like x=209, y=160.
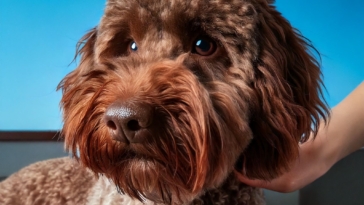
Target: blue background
x=38, y=38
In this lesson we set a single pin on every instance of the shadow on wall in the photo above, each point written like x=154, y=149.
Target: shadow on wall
x=342, y=185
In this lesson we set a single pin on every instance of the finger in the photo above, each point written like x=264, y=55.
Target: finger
x=251, y=182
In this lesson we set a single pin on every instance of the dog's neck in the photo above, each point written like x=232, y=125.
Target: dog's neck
x=231, y=192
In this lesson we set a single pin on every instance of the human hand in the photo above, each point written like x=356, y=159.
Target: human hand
x=343, y=135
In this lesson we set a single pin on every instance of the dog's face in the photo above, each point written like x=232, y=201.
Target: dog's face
x=170, y=96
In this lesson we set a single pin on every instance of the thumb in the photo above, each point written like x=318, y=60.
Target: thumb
x=251, y=182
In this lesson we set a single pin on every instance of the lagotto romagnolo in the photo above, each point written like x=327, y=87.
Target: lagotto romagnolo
x=170, y=97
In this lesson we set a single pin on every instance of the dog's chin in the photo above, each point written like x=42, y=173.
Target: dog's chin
x=146, y=177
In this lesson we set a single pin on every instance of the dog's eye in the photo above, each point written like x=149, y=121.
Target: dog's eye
x=204, y=46
x=133, y=46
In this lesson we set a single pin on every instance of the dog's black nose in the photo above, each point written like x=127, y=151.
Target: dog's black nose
x=129, y=121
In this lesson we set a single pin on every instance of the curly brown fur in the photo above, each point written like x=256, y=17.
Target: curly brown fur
x=58, y=181
x=247, y=104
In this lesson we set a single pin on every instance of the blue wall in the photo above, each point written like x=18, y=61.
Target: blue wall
x=37, y=44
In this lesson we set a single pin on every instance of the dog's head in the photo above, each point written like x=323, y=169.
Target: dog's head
x=170, y=96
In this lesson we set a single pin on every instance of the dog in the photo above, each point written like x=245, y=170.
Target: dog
x=170, y=97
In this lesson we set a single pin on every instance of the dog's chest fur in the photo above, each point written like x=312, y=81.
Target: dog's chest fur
x=103, y=192
x=231, y=192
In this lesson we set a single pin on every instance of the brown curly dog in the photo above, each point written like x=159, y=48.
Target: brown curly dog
x=170, y=97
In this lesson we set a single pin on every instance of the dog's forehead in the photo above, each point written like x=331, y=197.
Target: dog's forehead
x=171, y=26
x=156, y=6
x=165, y=5
x=178, y=10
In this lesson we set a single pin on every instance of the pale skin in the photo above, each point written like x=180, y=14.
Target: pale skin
x=341, y=136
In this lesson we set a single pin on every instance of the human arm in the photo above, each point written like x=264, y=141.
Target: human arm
x=343, y=135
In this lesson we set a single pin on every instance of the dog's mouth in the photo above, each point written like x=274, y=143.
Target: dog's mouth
x=133, y=153
x=138, y=153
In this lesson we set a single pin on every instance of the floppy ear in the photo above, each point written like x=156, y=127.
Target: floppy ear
x=287, y=104
x=85, y=49
x=74, y=98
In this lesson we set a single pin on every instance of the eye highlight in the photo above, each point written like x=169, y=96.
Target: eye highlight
x=204, y=46
x=133, y=46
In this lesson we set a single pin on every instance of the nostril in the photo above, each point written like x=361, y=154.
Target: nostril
x=111, y=125
x=133, y=125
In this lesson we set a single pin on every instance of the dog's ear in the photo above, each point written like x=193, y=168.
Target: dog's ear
x=70, y=103
x=84, y=51
x=287, y=104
